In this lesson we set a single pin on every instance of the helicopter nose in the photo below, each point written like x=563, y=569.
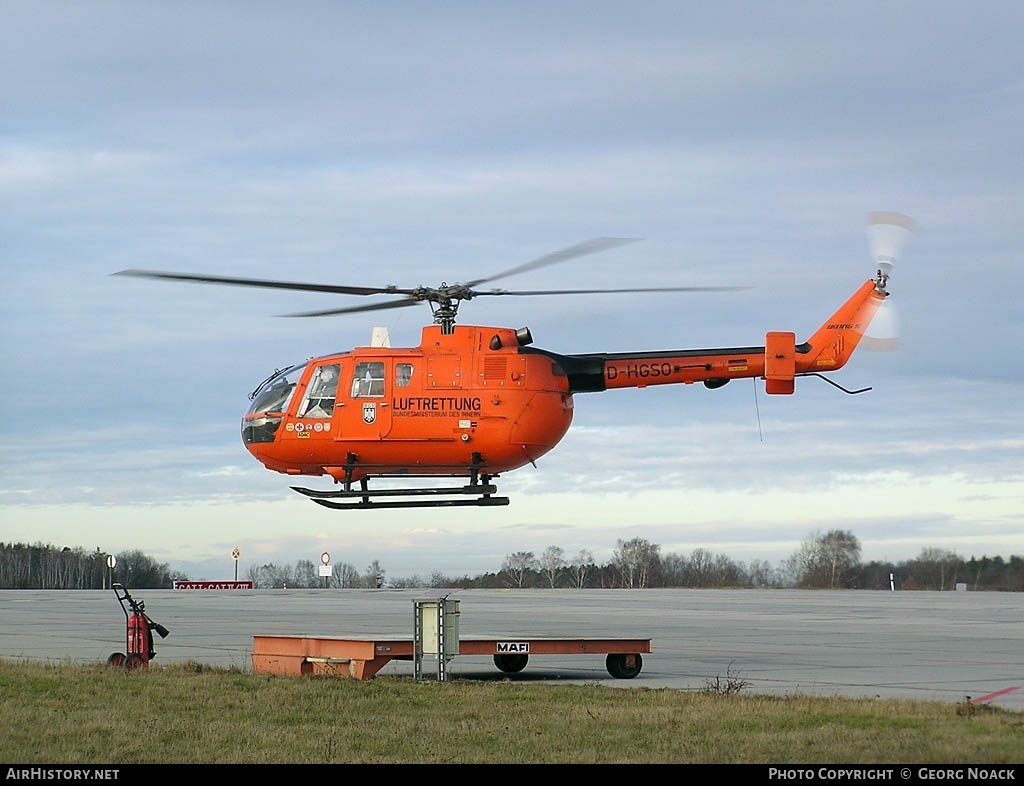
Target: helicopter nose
x=259, y=429
x=259, y=450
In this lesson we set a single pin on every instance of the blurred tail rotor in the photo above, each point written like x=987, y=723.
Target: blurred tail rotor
x=888, y=233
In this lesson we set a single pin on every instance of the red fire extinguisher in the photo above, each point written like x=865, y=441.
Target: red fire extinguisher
x=140, y=632
x=140, y=639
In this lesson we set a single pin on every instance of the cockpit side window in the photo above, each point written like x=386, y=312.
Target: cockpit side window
x=368, y=379
x=321, y=393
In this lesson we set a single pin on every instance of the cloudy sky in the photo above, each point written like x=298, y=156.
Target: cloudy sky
x=407, y=143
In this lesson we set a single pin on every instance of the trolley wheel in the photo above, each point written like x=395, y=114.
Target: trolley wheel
x=624, y=666
x=510, y=664
x=116, y=659
x=134, y=661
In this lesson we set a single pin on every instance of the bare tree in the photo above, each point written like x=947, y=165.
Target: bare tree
x=727, y=573
x=635, y=559
x=701, y=566
x=439, y=579
x=580, y=568
x=825, y=560
x=271, y=576
x=307, y=574
x=840, y=551
x=761, y=574
x=374, y=577
x=937, y=568
x=551, y=562
x=675, y=569
x=517, y=566
x=344, y=575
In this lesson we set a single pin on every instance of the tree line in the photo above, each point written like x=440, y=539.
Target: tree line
x=830, y=560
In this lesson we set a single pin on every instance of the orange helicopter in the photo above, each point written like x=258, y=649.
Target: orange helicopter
x=473, y=402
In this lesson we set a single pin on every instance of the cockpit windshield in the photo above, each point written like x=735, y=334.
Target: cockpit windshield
x=275, y=392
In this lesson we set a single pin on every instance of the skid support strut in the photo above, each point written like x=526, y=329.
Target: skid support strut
x=479, y=492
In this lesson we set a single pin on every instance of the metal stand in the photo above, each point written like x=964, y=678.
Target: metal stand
x=435, y=632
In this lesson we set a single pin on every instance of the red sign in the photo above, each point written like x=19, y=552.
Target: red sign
x=213, y=585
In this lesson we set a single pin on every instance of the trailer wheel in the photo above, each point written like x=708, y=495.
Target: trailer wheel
x=134, y=661
x=116, y=659
x=624, y=666
x=510, y=664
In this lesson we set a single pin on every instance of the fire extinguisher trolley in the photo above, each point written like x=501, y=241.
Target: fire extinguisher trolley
x=140, y=632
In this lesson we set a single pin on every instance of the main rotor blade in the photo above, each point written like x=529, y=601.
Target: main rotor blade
x=264, y=284
x=581, y=249
x=353, y=309
x=607, y=291
x=415, y=301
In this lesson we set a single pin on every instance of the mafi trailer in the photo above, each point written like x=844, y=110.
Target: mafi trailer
x=362, y=657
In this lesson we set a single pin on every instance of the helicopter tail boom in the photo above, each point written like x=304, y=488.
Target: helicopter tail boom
x=779, y=361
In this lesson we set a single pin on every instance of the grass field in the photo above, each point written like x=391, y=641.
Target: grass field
x=194, y=714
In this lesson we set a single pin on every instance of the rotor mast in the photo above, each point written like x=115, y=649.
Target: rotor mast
x=445, y=309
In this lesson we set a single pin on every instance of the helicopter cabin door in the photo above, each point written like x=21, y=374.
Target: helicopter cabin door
x=366, y=413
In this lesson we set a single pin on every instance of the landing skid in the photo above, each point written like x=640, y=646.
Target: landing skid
x=479, y=486
x=362, y=497
x=364, y=503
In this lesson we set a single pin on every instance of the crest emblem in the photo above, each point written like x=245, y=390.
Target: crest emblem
x=369, y=413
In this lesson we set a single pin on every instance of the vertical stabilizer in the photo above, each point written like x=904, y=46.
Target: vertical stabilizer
x=834, y=342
